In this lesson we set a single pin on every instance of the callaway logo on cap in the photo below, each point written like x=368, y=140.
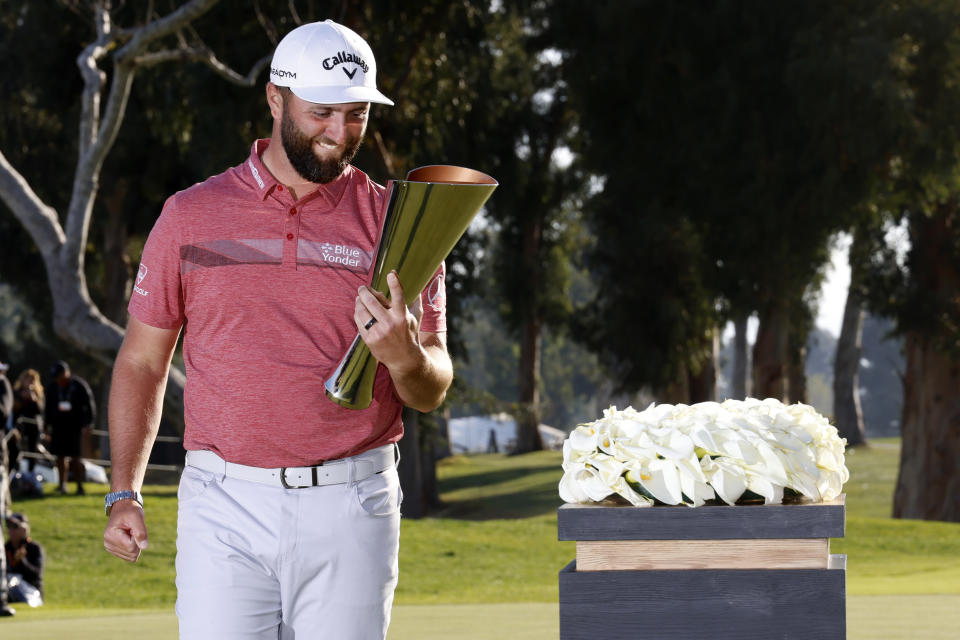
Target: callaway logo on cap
x=326, y=63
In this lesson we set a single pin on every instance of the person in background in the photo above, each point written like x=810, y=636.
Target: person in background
x=28, y=407
x=5, y=609
x=6, y=412
x=24, y=556
x=70, y=412
x=6, y=394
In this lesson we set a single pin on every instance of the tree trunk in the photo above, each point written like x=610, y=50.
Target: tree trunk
x=678, y=391
x=410, y=469
x=445, y=446
x=117, y=281
x=796, y=365
x=528, y=412
x=738, y=389
x=430, y=443
x=847, y=414
x=770, y=353
x=75, y=316
x=703, y=384
x=928, y=484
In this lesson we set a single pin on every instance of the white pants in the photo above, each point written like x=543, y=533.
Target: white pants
x=256, y=561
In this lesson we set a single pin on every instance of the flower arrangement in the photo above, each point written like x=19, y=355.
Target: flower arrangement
x=691, y=454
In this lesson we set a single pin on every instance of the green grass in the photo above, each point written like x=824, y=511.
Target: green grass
x=495, y=542
x=887, y=556
x=79, y=573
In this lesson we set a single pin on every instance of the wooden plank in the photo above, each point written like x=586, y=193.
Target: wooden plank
x=790, y=521
x=720, y=604
x=646, y=555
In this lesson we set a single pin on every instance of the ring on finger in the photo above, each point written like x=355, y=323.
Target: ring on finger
x=370, y=323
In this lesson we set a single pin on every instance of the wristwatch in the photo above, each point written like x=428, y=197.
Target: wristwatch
x=116, y=496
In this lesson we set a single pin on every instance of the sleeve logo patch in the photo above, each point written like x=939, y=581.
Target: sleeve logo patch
x=141, y=274
x=435, y=294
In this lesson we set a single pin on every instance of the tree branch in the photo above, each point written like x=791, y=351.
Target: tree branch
x=93, y=81
x=293, y=12
x=87, y=175
x=162, y=27
x=38, y=219
x=207, y=57
x=267, y=25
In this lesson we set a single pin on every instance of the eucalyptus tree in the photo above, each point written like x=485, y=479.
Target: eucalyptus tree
x=473, y=88
x=748, y=135
x=437, y=61
x=737, y=148
x=107, y=63
x=847, y=409
x=920, y=287
x=536, y=217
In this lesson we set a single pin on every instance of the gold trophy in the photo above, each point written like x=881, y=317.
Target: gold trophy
x=426, y=215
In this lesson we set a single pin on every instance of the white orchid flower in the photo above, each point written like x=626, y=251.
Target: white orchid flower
x=627, y=452
x=703, y=438
x=771, y=465
x=830, y=485
x=588, y=481
x=772, y=493
x=693, y=482
x=741, y=449
x=691, y=454
x=806, y=485
x=607, y=467
x=676, y=446
x=631, y=428
x=570, y=489
x=659, y=478
x=623, y=489
x=786, y=440
x=728, y=479
x=584, y=438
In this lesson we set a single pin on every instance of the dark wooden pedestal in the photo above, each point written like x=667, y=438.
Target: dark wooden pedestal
x=759, y=572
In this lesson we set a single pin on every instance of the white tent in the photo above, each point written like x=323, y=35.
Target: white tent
x=472, y=434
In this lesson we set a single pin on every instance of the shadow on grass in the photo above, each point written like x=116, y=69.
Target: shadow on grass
x=509, y=506
x=488, y=478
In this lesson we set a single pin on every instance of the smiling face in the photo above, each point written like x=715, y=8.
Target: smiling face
x=320, y=140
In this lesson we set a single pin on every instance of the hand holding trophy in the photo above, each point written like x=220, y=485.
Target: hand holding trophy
x=426, y=215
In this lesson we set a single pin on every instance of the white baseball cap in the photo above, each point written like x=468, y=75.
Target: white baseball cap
x=326, y=63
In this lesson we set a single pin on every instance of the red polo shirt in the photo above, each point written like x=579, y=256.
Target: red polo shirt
x=265, y=287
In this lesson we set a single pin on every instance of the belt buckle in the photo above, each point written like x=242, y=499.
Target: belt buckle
x=313, y=472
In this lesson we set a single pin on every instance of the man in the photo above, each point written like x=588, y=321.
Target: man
x=70, y=412
x=288, y=520
x=24, y=556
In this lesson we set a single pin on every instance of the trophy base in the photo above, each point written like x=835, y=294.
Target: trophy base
x=346, y=400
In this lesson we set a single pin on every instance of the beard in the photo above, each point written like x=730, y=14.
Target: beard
x=299, y=149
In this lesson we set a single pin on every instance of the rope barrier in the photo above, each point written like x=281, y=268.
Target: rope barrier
x=103, y=463
x=101, y=432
